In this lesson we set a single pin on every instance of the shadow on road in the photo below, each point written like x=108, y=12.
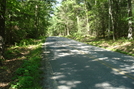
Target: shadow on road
x=79, y=66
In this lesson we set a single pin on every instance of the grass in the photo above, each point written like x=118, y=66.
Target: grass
x=121, y=45
x=20, y=70
x=23, y=63
x=27, y=76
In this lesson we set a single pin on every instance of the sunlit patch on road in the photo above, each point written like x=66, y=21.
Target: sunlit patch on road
x=76, y=65
x=106, y=85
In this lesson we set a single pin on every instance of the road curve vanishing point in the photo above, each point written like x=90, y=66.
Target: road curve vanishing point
x=75, y=65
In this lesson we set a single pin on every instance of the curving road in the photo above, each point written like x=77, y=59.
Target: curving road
x=75, y=65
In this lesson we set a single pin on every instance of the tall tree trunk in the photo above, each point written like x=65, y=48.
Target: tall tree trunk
x=36, y=21
x=111, y=18
x=2, y=28
x=87, y=19
x=130, y=31
x=109, y=21
x=67, y=29
x=78, y=25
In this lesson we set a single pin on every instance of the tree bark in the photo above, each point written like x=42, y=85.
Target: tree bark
x=130, y=30
x=87, y=19
x=2, y=28
x=111, y=25
x=78, y=24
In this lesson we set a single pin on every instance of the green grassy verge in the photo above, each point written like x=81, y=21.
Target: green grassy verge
x=28, y=75
x=121, y=45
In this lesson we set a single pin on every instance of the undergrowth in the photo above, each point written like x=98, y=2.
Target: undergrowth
x=121, y=45
x=124, y=46
x=28, y=75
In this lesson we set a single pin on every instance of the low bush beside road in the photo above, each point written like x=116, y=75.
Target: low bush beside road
x=121, y=45
x=20, y=69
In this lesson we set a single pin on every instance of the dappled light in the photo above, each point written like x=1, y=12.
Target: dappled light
x=15, y=57
x=106, y=85
x=25, y=24
x=4, y=84
x=76, y=65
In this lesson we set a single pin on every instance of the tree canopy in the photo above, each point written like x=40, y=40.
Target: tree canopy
x=100, y=18
x=23, y=19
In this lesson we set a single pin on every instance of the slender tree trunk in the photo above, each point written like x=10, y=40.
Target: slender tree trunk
x=9, y=38
x=111, y=18
x=68, y=33
x=2, y=28
x=87, y=19
x=130, y=30
x=36, y=21
x=78, y=24
x=67, y=29
x=103, y=27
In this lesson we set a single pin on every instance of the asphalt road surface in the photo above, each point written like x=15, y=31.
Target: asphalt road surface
x=75, y=65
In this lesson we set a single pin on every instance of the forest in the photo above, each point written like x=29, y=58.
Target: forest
x=25, y=21
x=22, y=19
x=22, y=23
x=101, y=18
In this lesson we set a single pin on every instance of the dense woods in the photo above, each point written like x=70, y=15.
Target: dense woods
x=23, y=19
x=101, y=18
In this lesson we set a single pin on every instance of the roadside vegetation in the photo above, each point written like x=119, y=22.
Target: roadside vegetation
x=22, y=22
x=103, y=23
x=122, y=45
x=20, y=69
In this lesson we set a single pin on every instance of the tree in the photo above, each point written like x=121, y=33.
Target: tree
x=26, y=19
x=2, y=28
x=23, y=19
x=130, y=31
x=99, y=18
x=111, y=19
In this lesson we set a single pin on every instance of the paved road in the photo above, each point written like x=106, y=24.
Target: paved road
x=76, y=65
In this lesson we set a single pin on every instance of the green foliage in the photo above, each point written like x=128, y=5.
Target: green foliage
x=26, y=42
x=120, y=51
x=110, y=45
x=11, y=53
x=3, y=68
x=26, y=19
x=100, y=18
x=28, y=75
